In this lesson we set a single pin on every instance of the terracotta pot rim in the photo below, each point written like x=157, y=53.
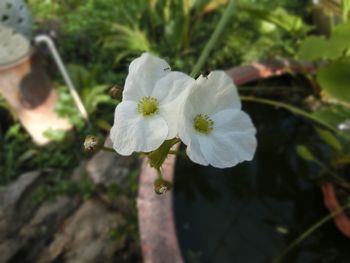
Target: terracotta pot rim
x=332, y=204
x=164, y=244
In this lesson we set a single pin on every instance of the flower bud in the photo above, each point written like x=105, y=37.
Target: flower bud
x=115, y=92
x=161, y=186
x=92, y=144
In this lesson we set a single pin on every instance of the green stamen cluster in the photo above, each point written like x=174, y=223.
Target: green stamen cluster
x=203, y=124
x=147, y=106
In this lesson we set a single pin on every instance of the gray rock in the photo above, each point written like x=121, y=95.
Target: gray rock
x=108, y=168
x=85, y=237
x=16, y=206
x=33, y=236
x=67, y=229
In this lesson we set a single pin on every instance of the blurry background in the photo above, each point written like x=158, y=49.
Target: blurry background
x=59, y=204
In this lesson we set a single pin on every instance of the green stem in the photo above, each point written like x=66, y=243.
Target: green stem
x=159, y=174
x=187, y=20
x=345, y=4
x=107, y=149
x=157, y=157
x=308, y=232
x=297, y=111
x=176, y=140
x=214, y=37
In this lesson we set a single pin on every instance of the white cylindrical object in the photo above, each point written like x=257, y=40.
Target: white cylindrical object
x=50, y=44
x=15, y=31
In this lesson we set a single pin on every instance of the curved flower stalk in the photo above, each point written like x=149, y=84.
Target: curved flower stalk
x=152, y=98
x=213, y=126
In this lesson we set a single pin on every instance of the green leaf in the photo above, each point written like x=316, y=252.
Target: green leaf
x=342, y=31
x=312, y=48
x=345, y=9
x=330, y=139
x=29, y=154
x=157, y=157
x=334, y=78
x=127, y=40
x=318, y=47
x=331, y=115
x=340, y=38
x=335, y=116
x=304, y=153
x=55, y=135
x=78, y=75
x=279, y=17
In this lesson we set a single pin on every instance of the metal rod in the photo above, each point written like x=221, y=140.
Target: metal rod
x=50, y=44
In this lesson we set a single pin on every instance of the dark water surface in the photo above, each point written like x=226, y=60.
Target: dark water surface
x=250, y=213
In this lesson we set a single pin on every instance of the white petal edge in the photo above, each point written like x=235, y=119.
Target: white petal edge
x=233, y=121
x=214, y=93
x=224, y=152
x=131, y=132
x=174, y=85
x=232, y=141
x=144, y=72
x=171, y=92
x=185, y=122
x=194, y=152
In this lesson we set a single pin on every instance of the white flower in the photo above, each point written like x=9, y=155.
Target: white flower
x=148, y=113
x=212, y=124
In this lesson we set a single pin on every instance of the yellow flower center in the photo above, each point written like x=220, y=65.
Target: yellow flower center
x=147, y=106
x=203, y=124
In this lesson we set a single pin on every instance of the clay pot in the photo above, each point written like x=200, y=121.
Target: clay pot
x=27, y=88
x=331, y=202
x=155, y=212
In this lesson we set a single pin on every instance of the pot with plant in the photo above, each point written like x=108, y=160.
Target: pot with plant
x=327, y=73
x=152, y=118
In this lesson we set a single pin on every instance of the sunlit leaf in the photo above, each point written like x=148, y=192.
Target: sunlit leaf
x=318, y=47
x=125, y=38
x=305, y=153
x=279, y=17
x=330, y=139
x=334, y=78
x=282, y=230
x=336, y=116
x=214, y=4
x=312, y=48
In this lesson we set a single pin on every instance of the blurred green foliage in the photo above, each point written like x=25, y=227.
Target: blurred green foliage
x=13, y=152
x=331, y=81
x=98, y=39
x=175, y=29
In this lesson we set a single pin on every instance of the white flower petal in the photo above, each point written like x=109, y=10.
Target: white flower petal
x=244, y=146
x=171, y=92
x=214, y=93
x=218, y=152
x=131, y=132
x=170, y=113
x=194, y=152
x=144, y=72
x=171, y=87
x=232, y=140
x=185, y=122
x=233, y=121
